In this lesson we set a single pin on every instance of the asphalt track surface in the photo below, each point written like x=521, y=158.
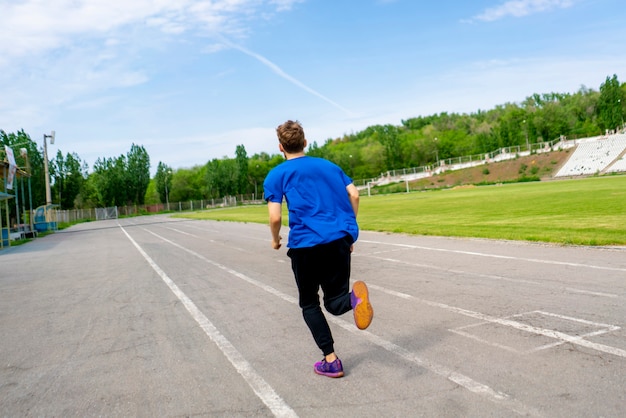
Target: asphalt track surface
x=156, y=316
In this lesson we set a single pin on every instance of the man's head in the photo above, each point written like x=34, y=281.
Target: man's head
x=291, y=137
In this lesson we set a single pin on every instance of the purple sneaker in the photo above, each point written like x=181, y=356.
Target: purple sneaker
x=361, y=306
x=334, y=369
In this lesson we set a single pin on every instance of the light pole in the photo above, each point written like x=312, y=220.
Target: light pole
x=45, y=166
x=255, y=182
x=437, y=150
x=167, y=198
x=619, y=106
x=526, y=132
x=24, y=154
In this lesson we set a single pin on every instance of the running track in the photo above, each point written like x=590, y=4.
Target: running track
x=156, y=316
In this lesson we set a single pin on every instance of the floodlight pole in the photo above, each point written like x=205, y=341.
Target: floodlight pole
x=619, y=106
x=45, y=166
x=526, y=131
x=167, y=198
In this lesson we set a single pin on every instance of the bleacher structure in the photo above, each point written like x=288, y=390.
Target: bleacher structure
x=597, y=155
x=618, y=166
x=594, y=155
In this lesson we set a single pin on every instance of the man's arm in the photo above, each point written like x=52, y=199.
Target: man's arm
x=353, y=194
x=276, y=219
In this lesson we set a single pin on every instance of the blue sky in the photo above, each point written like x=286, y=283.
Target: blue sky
x=191, y=80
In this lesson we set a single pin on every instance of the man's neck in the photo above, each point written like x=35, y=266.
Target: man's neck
x=290, y=156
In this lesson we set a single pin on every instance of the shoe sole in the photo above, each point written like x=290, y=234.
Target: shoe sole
x=363, y=311
x=333, y=375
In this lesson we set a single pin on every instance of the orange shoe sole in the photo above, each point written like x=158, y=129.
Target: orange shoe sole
x=363, y=311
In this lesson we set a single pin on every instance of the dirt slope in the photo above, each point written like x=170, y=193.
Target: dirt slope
x=544, y=166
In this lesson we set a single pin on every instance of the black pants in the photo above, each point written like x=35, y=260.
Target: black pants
x=326, y=266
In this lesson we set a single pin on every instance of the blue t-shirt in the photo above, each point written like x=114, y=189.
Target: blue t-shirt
x=319, y=207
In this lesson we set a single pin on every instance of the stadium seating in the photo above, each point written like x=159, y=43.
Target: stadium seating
x=618, y=166
x=594, y=155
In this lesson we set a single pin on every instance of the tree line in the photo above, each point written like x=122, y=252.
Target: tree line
x=418, y=141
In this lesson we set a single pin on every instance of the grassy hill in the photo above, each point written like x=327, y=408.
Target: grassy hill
x=530, y=168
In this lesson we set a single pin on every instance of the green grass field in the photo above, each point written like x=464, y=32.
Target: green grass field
x=589, y=211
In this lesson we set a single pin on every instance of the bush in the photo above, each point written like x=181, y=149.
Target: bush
x=525, y=179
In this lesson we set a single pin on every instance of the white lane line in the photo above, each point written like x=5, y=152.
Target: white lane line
x=490, y=276
x=517, y=325
x=606, y=328
x=505, y=257
x=260, y=387
x=558, y=343
x=210, y=240
x=242, y=276
x=181, y=232
x=569, y=318
x=443, y=371
x=483, y=341
x=453, y=271
x=192, y=226
x=247, y=237
x=458, y=378
x=588, y=292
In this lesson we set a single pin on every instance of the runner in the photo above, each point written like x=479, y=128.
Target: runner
x=323, y=203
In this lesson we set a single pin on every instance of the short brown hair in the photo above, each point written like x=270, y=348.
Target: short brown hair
x=291, y=136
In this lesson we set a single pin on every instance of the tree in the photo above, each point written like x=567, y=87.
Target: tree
x=610, y=104
x=212, y=179
x=163, y=180
x=227, y=177
x=29, y=188
x=152, y=195
x=31, y=160
x=581, y=106
x=69, y=175
x=137, y=174
x=315, y=150
x=123, y=180
x=552, y=121
x=110, y=181
x=388, y=137
x=88, y=197
x=514, y=124
x=257, y=170
x=187, y=184
x=242, y=169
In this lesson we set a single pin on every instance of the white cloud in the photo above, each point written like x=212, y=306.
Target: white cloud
x=284, y=5
x=279, y=71
x=67, y=52
x=34, y=26
x=521, y=8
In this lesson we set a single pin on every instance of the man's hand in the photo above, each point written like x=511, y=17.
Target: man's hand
x=276, y=243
